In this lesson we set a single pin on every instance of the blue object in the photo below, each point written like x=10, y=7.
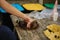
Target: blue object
x=17, y=6
x=2, y=10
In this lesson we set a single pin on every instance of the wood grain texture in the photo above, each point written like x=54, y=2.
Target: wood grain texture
x=35, y=34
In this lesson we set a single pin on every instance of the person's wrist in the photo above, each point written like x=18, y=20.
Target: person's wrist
x=28, y=19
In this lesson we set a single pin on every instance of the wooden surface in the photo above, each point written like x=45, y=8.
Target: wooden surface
x=35, y=34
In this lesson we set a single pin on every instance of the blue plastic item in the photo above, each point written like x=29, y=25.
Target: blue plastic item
x=17, y=6
x=2, y=10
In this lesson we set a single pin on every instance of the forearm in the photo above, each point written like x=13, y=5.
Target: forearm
x=13, y=10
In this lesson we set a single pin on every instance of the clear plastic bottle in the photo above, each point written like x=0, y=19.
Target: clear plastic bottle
x=55, y=12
